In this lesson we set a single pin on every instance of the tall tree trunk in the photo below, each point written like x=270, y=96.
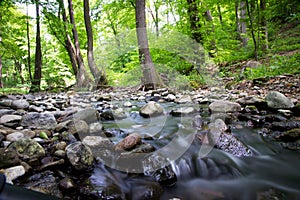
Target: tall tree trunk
x=82, y=76
x=195, y=26
x=264, y=28
x=220, y=14
x=68, y=42
x=243, y=25
x=252, y=29
x=36, y=82
x=28, y=44
x=151, y=79
x=99, y=77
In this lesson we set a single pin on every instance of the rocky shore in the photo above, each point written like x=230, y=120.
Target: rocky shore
x=51, y=142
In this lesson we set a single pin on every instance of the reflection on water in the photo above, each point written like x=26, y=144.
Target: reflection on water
x=219, y=175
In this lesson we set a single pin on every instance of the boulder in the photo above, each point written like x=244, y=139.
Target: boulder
x=129, y=142
x=20, y=104
x=39, y=120
x=15, y=136
x=28, y=148
x=8, y=158
x=184, y=99
x=224, y=106
x=79, y=155
x=88, y=115
x=10, y=120
x=151, y=109
x=277, y=100
x=183, y=111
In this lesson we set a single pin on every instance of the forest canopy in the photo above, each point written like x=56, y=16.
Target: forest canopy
x=54, y=45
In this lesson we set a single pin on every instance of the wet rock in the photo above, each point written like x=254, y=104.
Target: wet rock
x=224, y=106
x=146, y=191
x=28, y=148
x=20, y=104
x=277, y=100
x=97, y=142
x=184, y=99
x=127, y=104
x=67, y=184
x=296, y=110
x=100, y=190
x=10, y=120
x=14, y=136
x=198, y=122
x=8, y=158
x=289, y=136
x=61, y=145
x=95, y=128
x=183, y=111
x=129, y=142
x=13, y=173
x=113, y=114
x=107, y=115
x=60, y=153
x=79, y=155
x=35, y=108
x=39, y=120
x=44, y=182
x=151, y=109
x=165, y=176
x=170, y=97
x=67, y=137
x=285, y=125
x=88, y=115
x=78, y=126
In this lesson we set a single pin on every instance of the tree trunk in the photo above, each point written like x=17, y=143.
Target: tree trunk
x=82, y=77
x=68, y=42
x=252, y=30
x=220, y=14
x=264, y=28
x=195, y=26
x=243, y=25
x=151, y=79
x=99, y=77
x=36, y=82
x=28, y=45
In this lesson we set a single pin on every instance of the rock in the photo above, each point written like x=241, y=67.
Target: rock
x=289, y=136
x=35, y=108
x=198, y=122
x=6, y=112
x=107, y=115
x=170, y=97
x=60, y=153
x=183, y=111
x=67, y=184
x=277, y=100
x=224, y=106
x=79, y=155
x=88, y=115
x=127, y=104
x=97, y=142
x=95, y=128
x=14, y=136
x=151, y=109
x=44, y=182
x=285, y=125
x=129, y=142
x=39, y=120
x=78, y=126
x=113, y=114
x=61, y=145
x=184, y=99
x=14, y=172
x=10, y=120
x=104, y=189
x=8, y=158
x=28, y=148
x=20, y=104
x=67, y=137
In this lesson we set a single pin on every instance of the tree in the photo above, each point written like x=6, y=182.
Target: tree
x=28, y=44
x=151, y=79
x=194, y=20
x=36, y=82
x=82, y=77
x=263, y=24
x=250, y=14
x=99, y=76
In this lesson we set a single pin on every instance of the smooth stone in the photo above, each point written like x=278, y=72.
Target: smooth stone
x=14, y=136
x=151, y=109
x=13, y=173
x=96, y=128
x=224, y=106
x=20, y=104
x=88, y=115
x=183, y=111
x=39, y=120
x=80, y=156
x=35, y=108
x=96, y=142
x=127, y=104
x=184, y=99
x=278, y=100
x=10, y=118
x=129, y=142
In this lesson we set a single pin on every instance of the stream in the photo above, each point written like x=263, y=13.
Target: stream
x=271, y=173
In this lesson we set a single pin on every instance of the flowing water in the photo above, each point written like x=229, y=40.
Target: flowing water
x=218, y=175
